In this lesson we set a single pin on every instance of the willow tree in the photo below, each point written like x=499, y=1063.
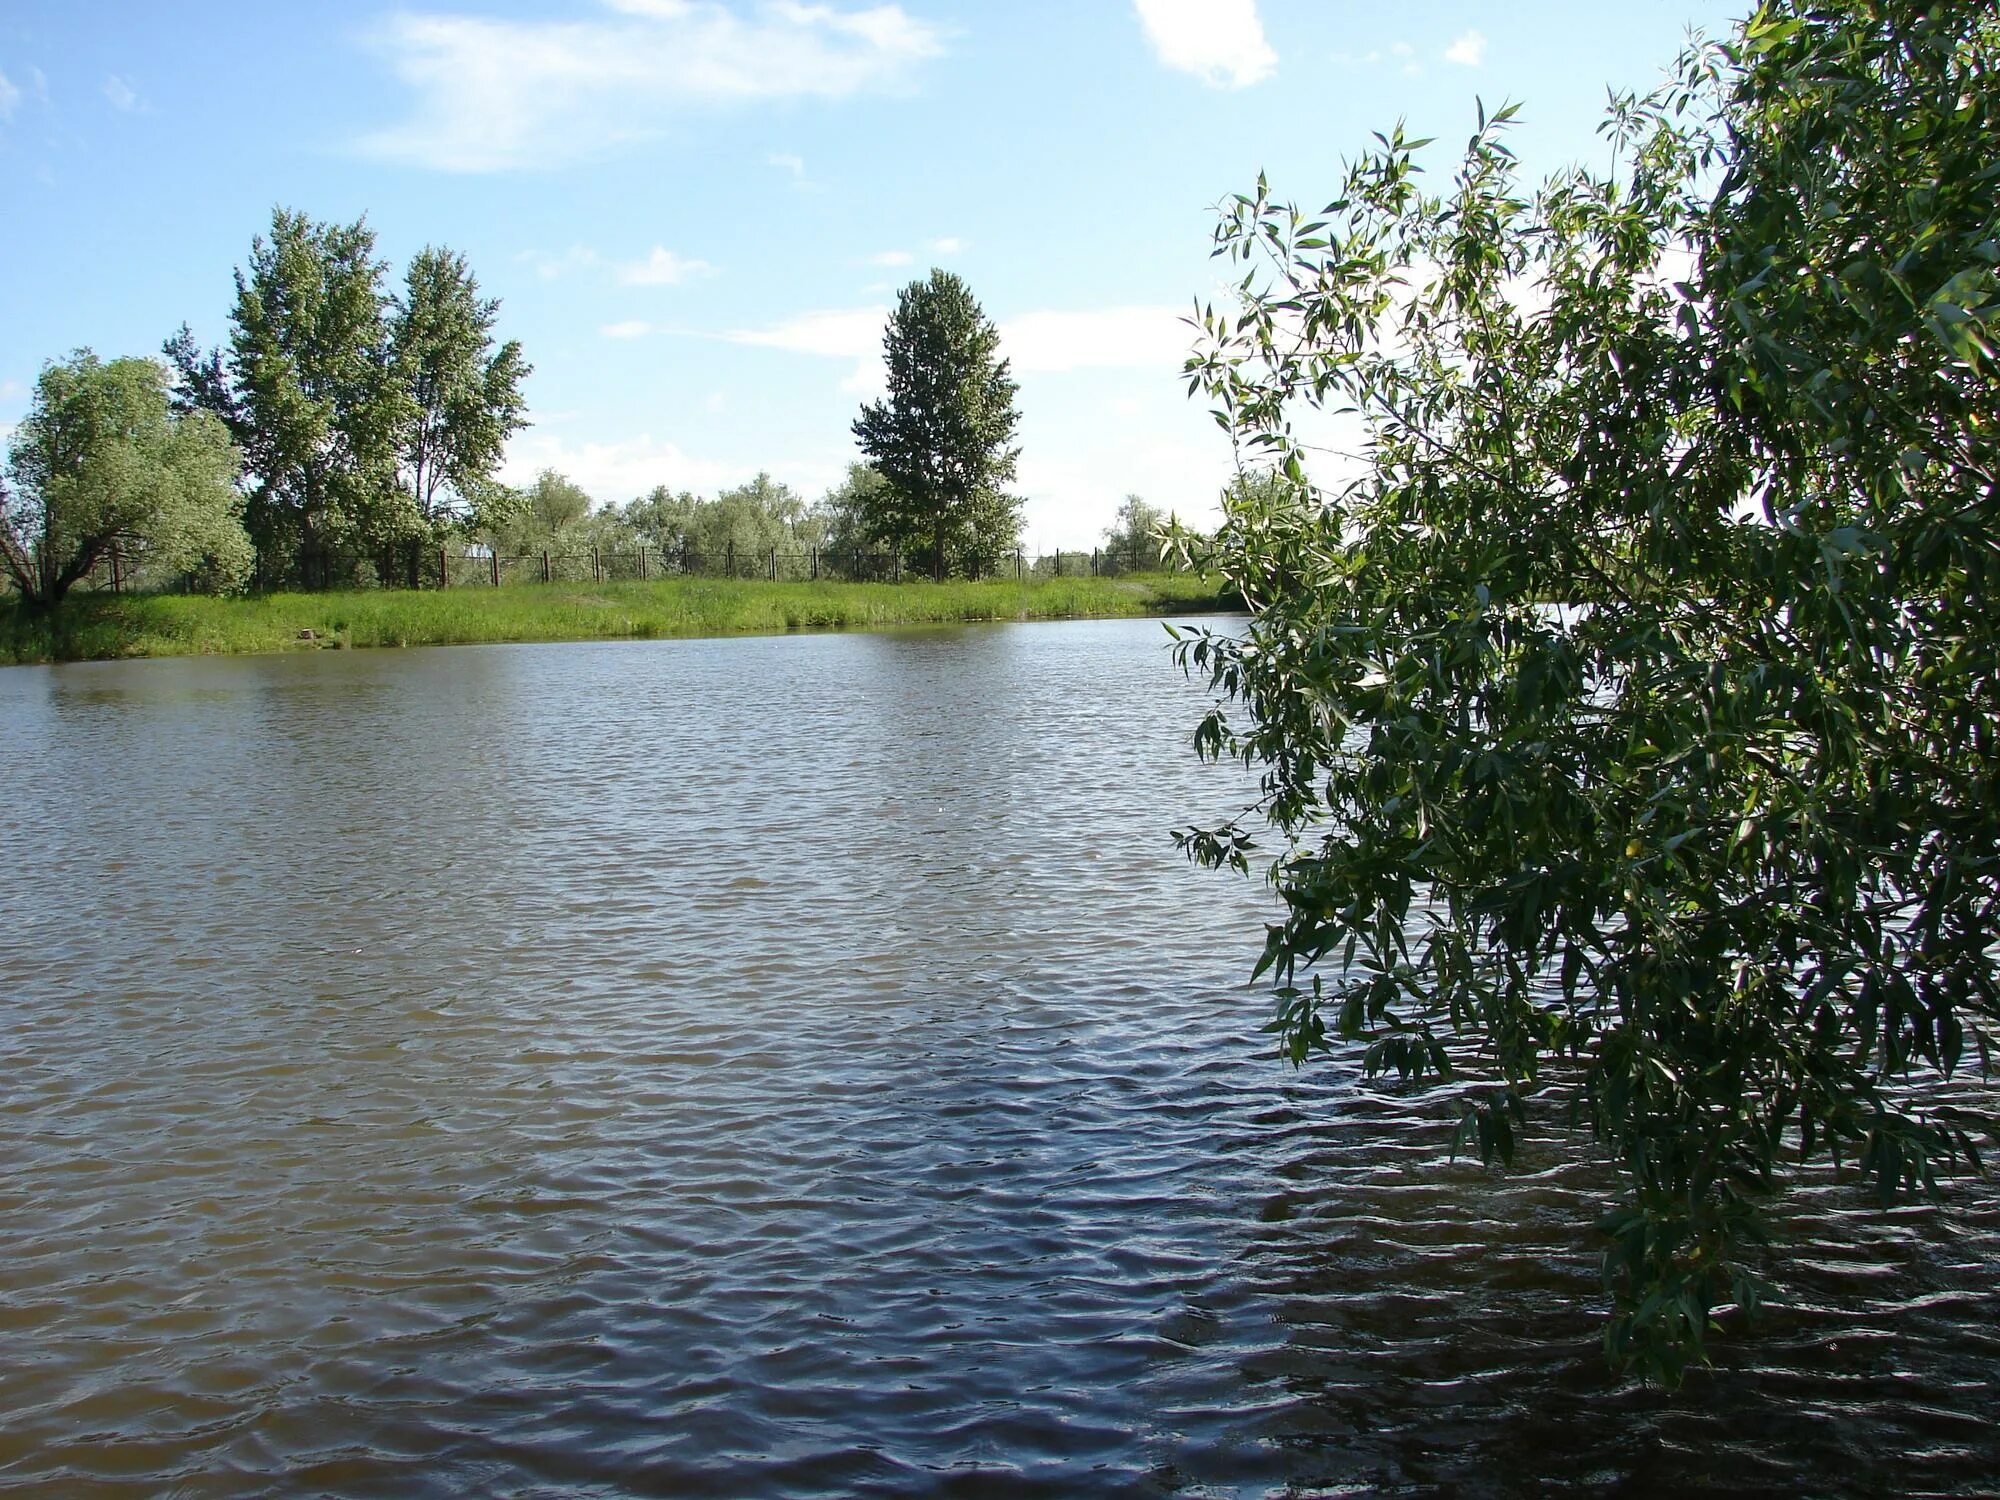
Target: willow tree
x=103, y=471
x=943, y=438
x=1626, y=714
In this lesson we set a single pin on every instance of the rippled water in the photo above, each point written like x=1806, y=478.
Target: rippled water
x=788, y=1066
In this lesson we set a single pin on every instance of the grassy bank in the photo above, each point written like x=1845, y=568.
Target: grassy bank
x=99, y=626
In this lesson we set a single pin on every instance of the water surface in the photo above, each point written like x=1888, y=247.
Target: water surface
x=784, y=1066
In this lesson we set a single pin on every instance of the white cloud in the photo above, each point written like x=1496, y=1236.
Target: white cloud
x=891, y=258
x=1107, y=338
x=493, y=94
x=1407, y=55
x=949, y=244
x=121, y=94
x=844, y=333
x=663, y=268
x=549, y=266
x=785, y=161
x=1221, y=42
x=1468, y=50
x=9, y=97
x=1073, y=494
x=631, y=328
x=1152, y=339
x=613, y=473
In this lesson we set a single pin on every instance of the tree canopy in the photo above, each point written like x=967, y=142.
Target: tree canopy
x=102, y=462
x=1625, y=698
x=465, y=395
x=367, y=421
x=943, y=438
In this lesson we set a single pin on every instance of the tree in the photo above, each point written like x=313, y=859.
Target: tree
x=943, y=438
x=1132, y=541
x=368, y=422
x=465, y=396
x=318, y=411
x=1627, y=713
x=102, y=463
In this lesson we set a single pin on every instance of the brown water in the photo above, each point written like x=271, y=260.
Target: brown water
x=788, y=1066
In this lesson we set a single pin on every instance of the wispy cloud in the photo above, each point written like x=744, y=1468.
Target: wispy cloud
x=631, y=328
x=949, y=244
x=838, y=333
x=891, y=258
x=493, y=93
x=10, y=97
x=785, y=161
x=1049, y=341
x=1221, y=42
x=1467, y=50
x=121, y=94
x=551, y=265
x=663, y=268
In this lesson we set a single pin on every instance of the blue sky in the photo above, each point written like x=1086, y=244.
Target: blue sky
x=697, y=212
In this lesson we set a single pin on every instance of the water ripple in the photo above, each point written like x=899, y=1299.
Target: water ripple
x=781, y=1067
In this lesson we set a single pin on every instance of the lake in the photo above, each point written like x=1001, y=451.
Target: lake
x=784, y=1066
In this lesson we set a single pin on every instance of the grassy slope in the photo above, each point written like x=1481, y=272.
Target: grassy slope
x=102, y=626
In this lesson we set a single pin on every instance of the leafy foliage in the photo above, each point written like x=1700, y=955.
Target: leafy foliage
x=465, y=396
x=943, y=440
x=1134, y=538
x=368, y=422
x=1624, y=688
x=102, y=462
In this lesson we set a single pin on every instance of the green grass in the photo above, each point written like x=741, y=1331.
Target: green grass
x=101, y=626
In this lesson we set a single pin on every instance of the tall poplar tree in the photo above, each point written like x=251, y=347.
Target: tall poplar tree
x=464, y=395
x=318, y=409
x=367, y=421
x=943, y=440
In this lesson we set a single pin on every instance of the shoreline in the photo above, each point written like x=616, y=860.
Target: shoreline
x=106, y=627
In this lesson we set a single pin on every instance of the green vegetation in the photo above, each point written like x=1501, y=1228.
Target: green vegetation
x=1628, y=721
x=943, y=438
x=92, y=626
x=370, y=423
x=105, y=474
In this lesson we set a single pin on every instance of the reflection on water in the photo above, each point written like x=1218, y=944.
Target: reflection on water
x=783, y=1066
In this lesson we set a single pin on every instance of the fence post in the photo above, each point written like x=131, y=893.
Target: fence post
x=815, y=565
x=642, y=564
x=444, y=569
x=1093, y=562
x=1017, y=564
x=493, y=557
x=115, y=579
x=774, y=565
x=596, y=567
x=1059, y=561
x=545, y=566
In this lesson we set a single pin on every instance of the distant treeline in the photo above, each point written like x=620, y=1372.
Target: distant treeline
x=353, y=426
